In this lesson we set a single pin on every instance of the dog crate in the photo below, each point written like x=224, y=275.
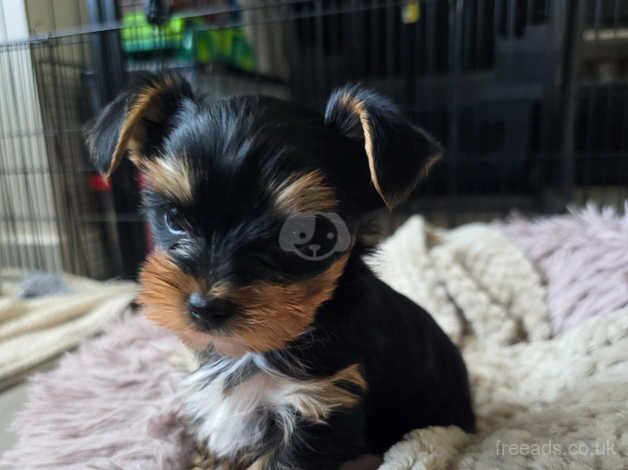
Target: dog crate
x=528, y=97
x=601, y=98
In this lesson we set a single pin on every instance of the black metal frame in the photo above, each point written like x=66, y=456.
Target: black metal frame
x=499, y=82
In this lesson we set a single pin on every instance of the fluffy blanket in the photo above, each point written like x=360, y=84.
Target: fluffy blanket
x=583, y=257
x=33, y=330
x=541, y=402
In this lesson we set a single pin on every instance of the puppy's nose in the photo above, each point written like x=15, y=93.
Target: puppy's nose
x=209, y=312
x=314, y=247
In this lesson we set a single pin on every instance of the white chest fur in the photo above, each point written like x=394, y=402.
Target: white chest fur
x=228, y=419
x=233, y=402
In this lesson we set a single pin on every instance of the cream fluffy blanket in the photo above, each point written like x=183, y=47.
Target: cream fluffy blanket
x=33, y=331
x=541, y=403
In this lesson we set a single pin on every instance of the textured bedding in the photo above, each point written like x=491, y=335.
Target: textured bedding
x=34, y=330
x=583, y=257
x=542, y=401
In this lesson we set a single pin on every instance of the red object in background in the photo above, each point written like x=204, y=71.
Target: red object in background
x=99, y=183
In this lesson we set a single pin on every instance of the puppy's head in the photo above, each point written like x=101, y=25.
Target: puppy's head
x=253, y=202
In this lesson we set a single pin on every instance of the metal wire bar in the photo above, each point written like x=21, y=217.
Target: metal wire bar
x=474, y=73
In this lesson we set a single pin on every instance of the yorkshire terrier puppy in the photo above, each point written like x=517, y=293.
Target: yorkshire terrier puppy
x=307, y=360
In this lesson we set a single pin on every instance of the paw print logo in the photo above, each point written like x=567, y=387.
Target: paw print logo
x=314, y=236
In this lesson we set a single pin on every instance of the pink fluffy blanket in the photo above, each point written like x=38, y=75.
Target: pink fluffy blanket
x=115, y=402
x=112, y=404
x=583, y=257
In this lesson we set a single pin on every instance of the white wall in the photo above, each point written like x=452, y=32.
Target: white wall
x=27, y=225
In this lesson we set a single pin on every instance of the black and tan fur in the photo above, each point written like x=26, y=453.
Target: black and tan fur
x=305, y=361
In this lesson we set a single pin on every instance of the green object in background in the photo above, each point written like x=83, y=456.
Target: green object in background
x=224, y=45
x=140, y=36
x=186, y=39
x=411, y=11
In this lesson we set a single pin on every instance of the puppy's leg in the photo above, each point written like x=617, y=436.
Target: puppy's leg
x=328, y=445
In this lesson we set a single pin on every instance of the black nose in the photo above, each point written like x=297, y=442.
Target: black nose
x=209, y=312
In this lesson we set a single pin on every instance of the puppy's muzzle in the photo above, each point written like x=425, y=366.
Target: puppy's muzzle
x=208, y=312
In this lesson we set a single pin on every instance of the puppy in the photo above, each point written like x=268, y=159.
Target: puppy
x=307, y=360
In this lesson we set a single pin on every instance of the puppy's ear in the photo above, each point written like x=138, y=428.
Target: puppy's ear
x=397, y=152
x=137, y=121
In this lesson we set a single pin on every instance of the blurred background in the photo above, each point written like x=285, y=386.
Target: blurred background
x=529, y=97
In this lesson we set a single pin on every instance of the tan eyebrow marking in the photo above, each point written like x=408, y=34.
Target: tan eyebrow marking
x=168, y=176
x=305, y=193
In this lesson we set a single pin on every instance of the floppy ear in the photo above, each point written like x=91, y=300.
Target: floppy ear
x=397, y=152
x=137, y=121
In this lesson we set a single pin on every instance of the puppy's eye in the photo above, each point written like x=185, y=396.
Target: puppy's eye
x=175, y=221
